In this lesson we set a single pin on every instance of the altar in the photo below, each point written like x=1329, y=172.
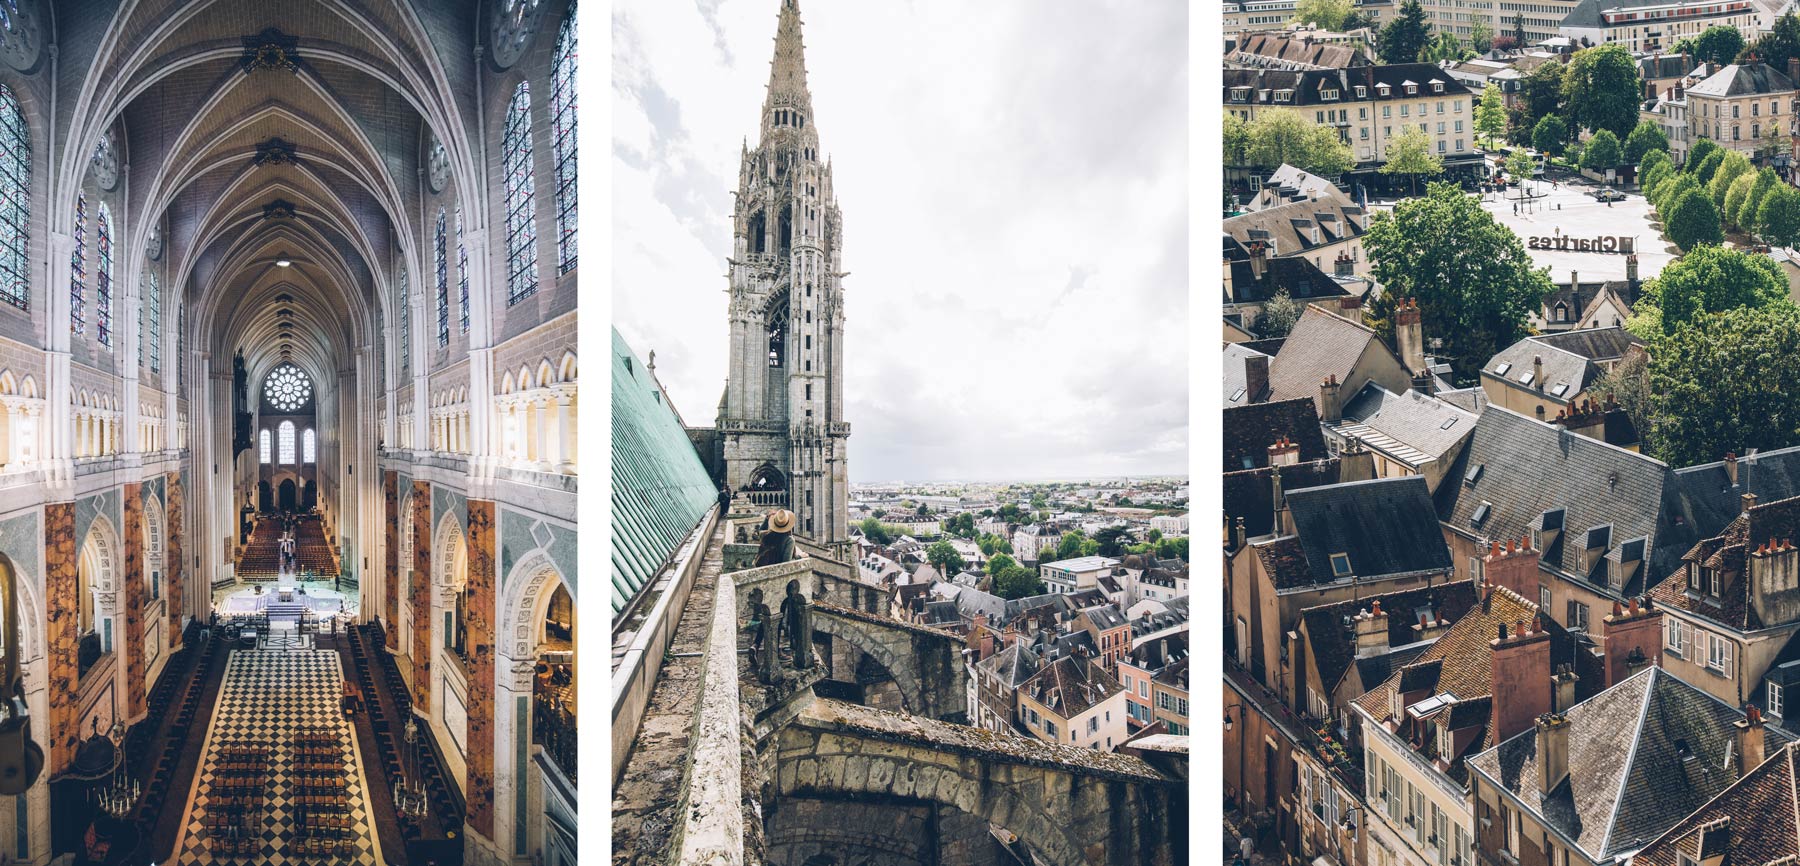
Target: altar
x=285, y=593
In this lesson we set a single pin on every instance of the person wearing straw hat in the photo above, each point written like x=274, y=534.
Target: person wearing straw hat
x=777, y=539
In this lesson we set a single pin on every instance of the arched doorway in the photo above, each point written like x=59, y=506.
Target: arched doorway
x=265, y=497
x=94, y=591
x=537, y=707
x=287, y=497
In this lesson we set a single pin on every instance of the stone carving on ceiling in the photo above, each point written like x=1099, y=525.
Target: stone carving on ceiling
x=275, y=151
x=270, y=49
x=21, y=34
x=279, y=209
x=515, y=22
x=439, y=162
x=105, y=162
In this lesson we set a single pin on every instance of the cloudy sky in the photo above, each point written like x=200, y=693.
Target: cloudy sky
x=1013, y=179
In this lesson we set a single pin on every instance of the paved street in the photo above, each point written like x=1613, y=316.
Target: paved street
x=1568, y=208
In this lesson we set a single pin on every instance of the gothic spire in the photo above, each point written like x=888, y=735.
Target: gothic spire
x=787, y=72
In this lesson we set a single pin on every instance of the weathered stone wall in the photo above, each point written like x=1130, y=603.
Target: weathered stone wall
x=420, y=597
x=480, y=663
x=925, y=664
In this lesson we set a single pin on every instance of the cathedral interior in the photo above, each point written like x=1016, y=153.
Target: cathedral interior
x=288, y=394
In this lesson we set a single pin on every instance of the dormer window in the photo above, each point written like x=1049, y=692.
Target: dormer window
x=1362, y=92
x=1240, y=94
x=1383, y=90
x=1412, y=89
x=1340, y=565
x=1437, y=87
x=1444, y=742
x=1284, y=96
x=1328, y=95
x=1395, y=707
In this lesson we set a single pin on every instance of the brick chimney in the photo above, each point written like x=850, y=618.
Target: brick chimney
x=1631, y=275
x=1355, y=462
x=1349, y=306
x=1562, y=688
x=1237, y=534
x=1750, y=746
x=1259, y=259
x=1537, y=372
x=1256, y=378
x=1409, y=336
x=1631, y=639
x=1521, y=671
x=1285, y=452
x=1552, y=750
x=1680, y=91
x=1513, y=565
x=1344, y=266
x=1371, y=630
x=1584, y=419
x=1331, y=409
x=1747, y=501
x=1731, y=467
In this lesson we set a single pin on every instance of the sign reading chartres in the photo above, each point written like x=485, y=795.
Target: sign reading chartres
x=1568, y=243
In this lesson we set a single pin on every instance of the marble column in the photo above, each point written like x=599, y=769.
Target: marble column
x=421, y=596
x=390, y=611
x=481, y=660
x=61, y=638
x=174, y=561
x=133, y=597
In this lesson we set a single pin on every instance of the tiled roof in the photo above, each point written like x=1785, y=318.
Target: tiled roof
x=1250, y=430
x=1752, y=821
x=1625, y=745
x=1250, y=494
x=1333, y=644
x=1386, y=526
x=1764, y=524
x=1072, y=686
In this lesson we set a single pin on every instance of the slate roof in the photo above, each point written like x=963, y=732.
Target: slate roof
x=1013, y=665
x=1386, y=526
x=1745, y=79
x=1236, y=379
x=1467, y=399
x=1752, y=821
x=1250, y=430
x=1296, y=275
x=1321, y=344
x=1626, y=745
x=1104, y=616
x=1072, y=686
x=1767, y=523
x=1287, y=184
x=1310, y=86
x=1287, y=228
x=1658, y=66
x=1461, y=664
x=1332, y=644
x=1250, y=494
x=1412, y=426
x=1577, y=297
x=1571, y=361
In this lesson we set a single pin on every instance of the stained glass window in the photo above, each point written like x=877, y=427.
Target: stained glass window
x=285, y=441
x=150, y=323
x=103, y=279
x=443, y=282
x=78, y=268
x=15, y=203
x=562, y=118
x=263, y=442
x=462, y=269
x=521, y=224
x=309, y=446
x=181, y=347
x=287, y=388
x=404, y=325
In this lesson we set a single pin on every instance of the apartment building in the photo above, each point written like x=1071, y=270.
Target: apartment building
x=1645, y=26
x=1741, y=105
x=1368, y=106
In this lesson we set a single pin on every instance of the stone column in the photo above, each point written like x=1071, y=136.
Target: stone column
x=174, y=565
x=550, y=433
x=421, y=595
x=133, y=598
x=482, y=658
x=61, y=612
x=565, y=408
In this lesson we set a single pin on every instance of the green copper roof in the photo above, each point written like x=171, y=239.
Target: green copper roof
x=660, y=489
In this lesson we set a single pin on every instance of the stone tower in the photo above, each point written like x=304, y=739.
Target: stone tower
x=782, y=418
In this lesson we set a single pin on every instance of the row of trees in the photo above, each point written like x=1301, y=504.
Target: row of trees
x=1716, y=190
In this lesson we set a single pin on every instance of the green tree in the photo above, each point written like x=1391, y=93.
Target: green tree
x=1652, y=176
x=1518, y=31
x=963, y=525
x=1173, y=548
x=1324, y=14
x=1714, y=279
x=1602, y=152
x=1542, y=94
x=1017, y=582
x=1153, y=535
x=873, y=530
x=1405, y=36
x=1746, y=216
x=1727, y=383
x=999, y=562
x=1445, y=46
x=1704, y=171
x=1628, y=384
x=1112, y=540
x=1602, y=89
x=1481, y=37
x=1720, y=44
x=1279, y=314
x=1646, y=138
x=1069, y=547
x=1733, y=166
x=1548, y=135
x=1781, y=43
x=1237, y=141
x=1521, y=166
x=1778, y=217
x=1474, y=284
x=1736, y=196
x=1697, y=154
x=1039, y=502
x=1490, y=118
x=1670, y=190
x=1409, y=153
x=1653, y=158
x=1693, y=220
x=944, y=558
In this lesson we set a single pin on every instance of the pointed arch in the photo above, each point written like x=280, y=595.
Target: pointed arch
x=15, y=203
x=519, y=195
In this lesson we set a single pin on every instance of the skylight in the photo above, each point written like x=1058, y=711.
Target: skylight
x=1481, y=513
x=1501, y=370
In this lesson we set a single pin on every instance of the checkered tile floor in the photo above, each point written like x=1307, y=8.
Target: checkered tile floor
x=268, y=695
